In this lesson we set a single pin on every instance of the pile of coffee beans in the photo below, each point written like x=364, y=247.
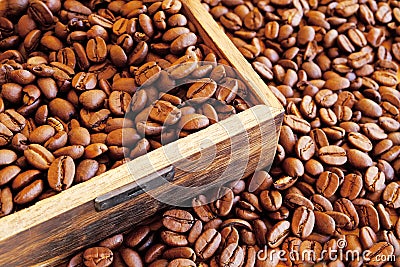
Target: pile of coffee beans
x=87, y=86
x=334, y=186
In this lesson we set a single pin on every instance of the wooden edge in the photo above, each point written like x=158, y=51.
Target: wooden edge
x=59, y=233
x=220, y=42
x=82, y=193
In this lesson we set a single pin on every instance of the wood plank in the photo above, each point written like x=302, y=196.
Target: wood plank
x=57, y=233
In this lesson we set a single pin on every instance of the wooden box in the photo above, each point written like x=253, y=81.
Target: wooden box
x=55, y=228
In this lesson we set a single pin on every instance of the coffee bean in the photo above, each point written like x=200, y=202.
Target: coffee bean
x=232, y=255
x=324, y=224
x=8, y=173
x=193, y=122
x=271, y=200
x=178, y=220
x=346, y=207
x=360, y=141
x=297, y=124
x=38, y=156
x=6, y=201
x=61, y=173
x=97, y=255
x=327, y=183
x=378, y=250
x=207, y=244
x=86, y=170
x=29, y=193
x=293, y=200
x=130, y=257
x=303, y=222
x=11, y=119
x=390, y=195
x=278, y=233
x=332, y=155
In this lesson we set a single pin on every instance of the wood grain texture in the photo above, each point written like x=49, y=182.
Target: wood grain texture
x=55, y=228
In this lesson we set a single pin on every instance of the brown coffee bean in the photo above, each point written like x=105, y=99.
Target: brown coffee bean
x=305, y=148
x=378, y=251
x=96, y=49
x=297, y=124
x=11, y=119
x=192, y=122
x=118, y=102
x=98, y=256
x=232, y=255
x=29, y=193
x=352, y=186
x=8, y=173
x=174, y=239
x=223, y=203
x=201, y=90
x=178, y=220
x=182, y=42
x=341, y=219
x=324, y=224
x=62, y=109
x=5, y=135
x=84, y=81
x=207, y=244
x=231, y=21
x=360, y=141
x=38, y=156
x=302, y=222
x=327, y=183
x=293, y=200
x=181, y=262
x=79, y=136
x=61, y=173
x=278, y=233
x=179, y=252
x=113, y=242
x=321, y=203
x=6, y=201
x=86, y=170
x=390, y=195
x=359, y=159
x=346, y=207
x=56, y=141
x=333, y=155
x=164, y=112
x=131, y=257
x=271, y=200
x=41, y=134
x=293, y=167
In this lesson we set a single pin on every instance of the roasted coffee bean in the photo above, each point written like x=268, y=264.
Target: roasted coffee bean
x=6, y=201
x=8, y=173
x=178, y=220
x=303, y=222
x=29, y=193
x=39, y=157
x=61, y=173
x=332, y=155
x=232, y=255
x=97, y=256
x=327, y=183
x=278, y=233
x=192, y=122
x=12, y=120
x=378, y=250
x=207, y=244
